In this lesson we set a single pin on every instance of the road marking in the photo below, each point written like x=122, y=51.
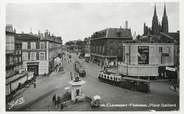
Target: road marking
x=16, y=102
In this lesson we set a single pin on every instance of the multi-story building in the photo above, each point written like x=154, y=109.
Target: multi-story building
x=10, y=48
x=39, y=52
x=54, y=49
x=159, y=33
x=87, y=45
x=14, y=75
x=76, y=46
x=105, y=45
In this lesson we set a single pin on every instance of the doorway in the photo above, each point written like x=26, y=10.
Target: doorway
x=33, y=68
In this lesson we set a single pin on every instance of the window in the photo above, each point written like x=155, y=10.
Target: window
x=11, y=60
x=25, y=56
x=42, y=45
x=10, y=42
x=168, y=49
x=102, y=49
x=42, y=56
x=160, y=49
x=119, y=51
x=32, y=55
x=111, y=51
x=24, y=45
x=123, y=53
x=20, y=60
x=118, y=34
x=33, y=45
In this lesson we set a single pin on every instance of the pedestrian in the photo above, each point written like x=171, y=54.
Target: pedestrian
x=55, y=102
x=54, y=98
x=61, y=106
x=34, y=84
x=71, y=75
x=58, y=100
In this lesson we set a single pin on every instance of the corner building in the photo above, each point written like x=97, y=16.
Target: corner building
x=105, y=45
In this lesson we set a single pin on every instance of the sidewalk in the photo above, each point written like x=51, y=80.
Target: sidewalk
x=32, y=95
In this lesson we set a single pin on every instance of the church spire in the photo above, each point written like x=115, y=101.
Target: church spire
x=155, y=26
x=155, y=11
x=164, y=21
x=165, y=14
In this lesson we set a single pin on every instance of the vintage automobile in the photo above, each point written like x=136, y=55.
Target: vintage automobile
x=96, y=101
x=79, y=69
x=81, y=55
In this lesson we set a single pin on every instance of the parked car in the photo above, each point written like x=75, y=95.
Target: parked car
x=96, y=101
x=81, y=55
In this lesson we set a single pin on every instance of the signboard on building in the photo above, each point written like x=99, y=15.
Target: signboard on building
x=143, y=54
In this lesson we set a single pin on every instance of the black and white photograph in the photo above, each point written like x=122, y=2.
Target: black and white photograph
x=92, y=56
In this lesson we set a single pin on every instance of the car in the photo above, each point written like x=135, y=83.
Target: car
x=96, y=101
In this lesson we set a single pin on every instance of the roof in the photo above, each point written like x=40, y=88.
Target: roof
x=27, y=37
x=113, y=33
x=175, y=35
x=162, y=38
x=10, y=33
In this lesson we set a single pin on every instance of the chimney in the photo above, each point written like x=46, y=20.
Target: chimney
x=31, y=31
x=126, y=24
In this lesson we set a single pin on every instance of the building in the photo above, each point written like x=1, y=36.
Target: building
x=13, y=50
x=15, y=75
x=105, y=45
x=54, y=49
x=157, y=28
x=153, y=52
x=146, y=59
x=76, y=46
x=87, y=45
x=39, y=52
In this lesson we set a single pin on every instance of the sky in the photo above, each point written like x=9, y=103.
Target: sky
x=74, y=21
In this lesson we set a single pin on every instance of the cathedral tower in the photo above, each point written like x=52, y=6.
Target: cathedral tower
x=155, y=25
x=165, y=22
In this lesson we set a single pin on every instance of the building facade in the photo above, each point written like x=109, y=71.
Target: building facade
x=146, y=59
x=87, y=45
x=105, y=45
x=39, y=52
x=159, y=33
x=15, y=75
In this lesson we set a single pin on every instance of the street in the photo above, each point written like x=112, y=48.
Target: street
x=40, y=98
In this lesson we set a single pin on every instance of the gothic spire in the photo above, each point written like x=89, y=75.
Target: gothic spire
x=155, y=11
x=165, y=21
x=155, y=27
x=165, y=14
